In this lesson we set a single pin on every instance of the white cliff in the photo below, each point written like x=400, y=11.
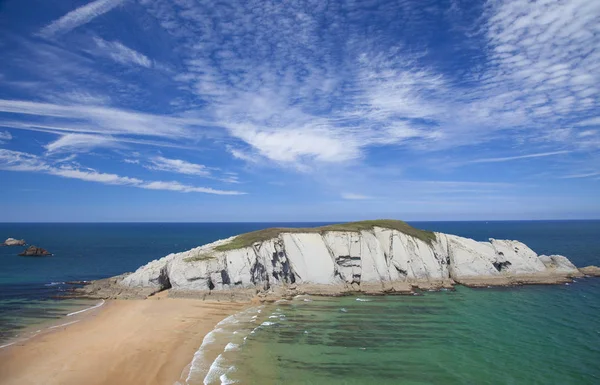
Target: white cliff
x=371, y=255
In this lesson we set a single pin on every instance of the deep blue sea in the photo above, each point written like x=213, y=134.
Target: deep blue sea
x=556, y=327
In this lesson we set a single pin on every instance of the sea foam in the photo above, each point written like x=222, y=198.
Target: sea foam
x=228, y=337
x=84, y=310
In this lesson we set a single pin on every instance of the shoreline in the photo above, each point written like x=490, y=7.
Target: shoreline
x=43, y=325
x=140, y=341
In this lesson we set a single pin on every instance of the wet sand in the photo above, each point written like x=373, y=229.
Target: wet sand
x=124, y=342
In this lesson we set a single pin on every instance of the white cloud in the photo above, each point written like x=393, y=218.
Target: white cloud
x=352, y=196
x=242, y=155
x=79, y=97
x=69, y=158
x=20, y=161
x=93, y=176
x=104, y=120
x=176, y=186
x=295, y=144
x=178, y=166
x=583, y=175
x=121, y=53
x=590, y=122
x=79, y=16
x=229, y=178
x=542, y=62
x=80, y=142
x=510, y=158
x=5, y=136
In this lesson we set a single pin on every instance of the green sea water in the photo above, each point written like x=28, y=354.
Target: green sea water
x=520, y=335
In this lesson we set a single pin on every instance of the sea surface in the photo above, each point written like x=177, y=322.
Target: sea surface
x=520, y=335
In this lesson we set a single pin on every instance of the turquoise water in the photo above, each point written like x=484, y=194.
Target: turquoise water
x=521, y=335
x=532, y=335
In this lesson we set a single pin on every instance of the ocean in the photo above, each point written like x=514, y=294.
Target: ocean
x=518, y=335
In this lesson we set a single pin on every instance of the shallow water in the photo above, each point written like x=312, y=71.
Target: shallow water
x=524, y=335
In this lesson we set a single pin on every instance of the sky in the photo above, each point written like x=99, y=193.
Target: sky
x=193, y=110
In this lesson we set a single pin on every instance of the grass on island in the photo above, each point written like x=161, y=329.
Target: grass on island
x=248, y=239
x=199, y=257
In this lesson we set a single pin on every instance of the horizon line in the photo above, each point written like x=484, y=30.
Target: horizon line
x=327, y=222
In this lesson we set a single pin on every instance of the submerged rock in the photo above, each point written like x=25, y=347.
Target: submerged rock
x=14, y=242
x=34, y=251
x=373, y=257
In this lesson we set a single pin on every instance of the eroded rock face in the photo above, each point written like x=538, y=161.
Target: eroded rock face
x=34, y=251
x=380, y=260
x=14, y=242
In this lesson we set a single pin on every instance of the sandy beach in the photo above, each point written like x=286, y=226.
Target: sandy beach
x=124, y=342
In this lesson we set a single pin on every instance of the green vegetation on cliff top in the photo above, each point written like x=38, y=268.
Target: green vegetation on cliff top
x=199, y=257
x=248, y=239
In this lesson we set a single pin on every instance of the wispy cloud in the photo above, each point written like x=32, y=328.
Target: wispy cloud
x=542, y=60
x=176, y=186
x=583, y=175
x=595, y=121
x=518, y=157
x=352, y=196
x=80, y=142
x=109, y=125
x=25, y=162
x=178, y=166
x=242, y=155
x=79, y=16
x=5, y=136
x=121, y=53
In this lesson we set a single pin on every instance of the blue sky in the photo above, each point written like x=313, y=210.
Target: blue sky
x=190, y=110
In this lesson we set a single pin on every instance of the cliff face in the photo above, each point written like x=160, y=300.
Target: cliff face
x=379, y=258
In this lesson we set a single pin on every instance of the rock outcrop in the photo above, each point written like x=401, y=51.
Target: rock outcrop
x=14, y=242
x=592, y=271
x=34, y=251
x=370, y=256
x=110, y=288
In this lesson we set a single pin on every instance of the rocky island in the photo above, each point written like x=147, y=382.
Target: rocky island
x=373, y=257
x=34, y=251
x=14, y=242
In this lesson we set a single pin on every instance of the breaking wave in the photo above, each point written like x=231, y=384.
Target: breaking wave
x=212, y=361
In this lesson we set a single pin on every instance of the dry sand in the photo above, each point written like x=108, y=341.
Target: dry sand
x=125, y=342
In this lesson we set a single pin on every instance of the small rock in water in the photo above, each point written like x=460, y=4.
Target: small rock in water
x=14, y=242
x=34, y=251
